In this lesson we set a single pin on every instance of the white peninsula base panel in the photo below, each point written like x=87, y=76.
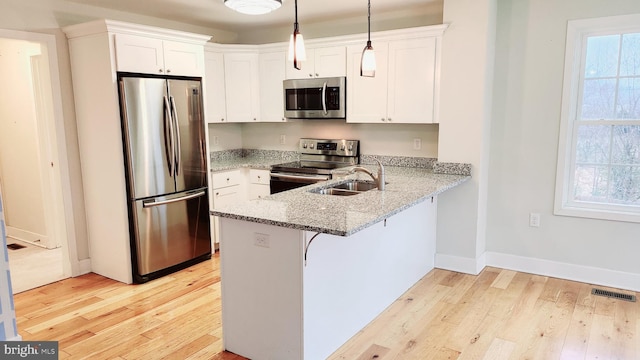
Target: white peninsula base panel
x=277, y=306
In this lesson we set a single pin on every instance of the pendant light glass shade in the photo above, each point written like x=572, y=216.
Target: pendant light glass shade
x=253, y=7
x=297, y=53
x=368, y=61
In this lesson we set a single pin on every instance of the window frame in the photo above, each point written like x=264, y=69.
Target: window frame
x=573, y=82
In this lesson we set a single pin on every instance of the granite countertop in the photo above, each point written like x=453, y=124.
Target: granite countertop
x=253, y=162
x=342, y=215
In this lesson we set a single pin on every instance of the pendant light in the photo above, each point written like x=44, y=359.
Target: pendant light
x=253, y=7
x=368, y=62
x=297, y=52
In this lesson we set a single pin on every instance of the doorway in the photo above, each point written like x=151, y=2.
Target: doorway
x=30, y=171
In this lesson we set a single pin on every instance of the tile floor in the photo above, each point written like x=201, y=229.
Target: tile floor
x=33, y=266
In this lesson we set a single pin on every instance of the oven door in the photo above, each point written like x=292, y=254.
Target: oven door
x=287, y=181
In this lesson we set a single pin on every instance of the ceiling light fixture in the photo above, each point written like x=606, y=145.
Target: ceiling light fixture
x=253, y=7
x=297, y=52
x=368, y=62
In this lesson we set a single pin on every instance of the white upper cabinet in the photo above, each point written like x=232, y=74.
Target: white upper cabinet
x=149, y=55
x=411, y=81
x=241, y=75
x=214, y=87
x=367, y=96
x=321, y=62
x=272, y=73
x=405, y=87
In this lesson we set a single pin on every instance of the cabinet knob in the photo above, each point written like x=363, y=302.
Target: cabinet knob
x=310, y=75
x=217, y=193
x=284, y=119
x=317, y=75
x=222, y=119
x=254, y=119
x=258, y=177
x=168, y=71
x=388, y=119
x=383, y=119
x=159, y=70
x=227, y=179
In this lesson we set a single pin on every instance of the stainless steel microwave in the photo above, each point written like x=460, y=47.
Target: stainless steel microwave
x=319, y=98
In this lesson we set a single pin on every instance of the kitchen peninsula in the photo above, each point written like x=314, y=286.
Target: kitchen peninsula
x=302, y=272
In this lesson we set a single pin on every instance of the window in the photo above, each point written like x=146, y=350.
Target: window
x=599, y=153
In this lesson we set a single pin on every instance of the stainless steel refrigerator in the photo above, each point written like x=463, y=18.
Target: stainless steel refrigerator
x=165, y=163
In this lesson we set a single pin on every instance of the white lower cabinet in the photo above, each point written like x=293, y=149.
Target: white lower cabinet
x=232, y=186
x=226, y=188
x=258, y=184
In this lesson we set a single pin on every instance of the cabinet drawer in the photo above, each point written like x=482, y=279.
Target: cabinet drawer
x=225, y=178
x=259, y=176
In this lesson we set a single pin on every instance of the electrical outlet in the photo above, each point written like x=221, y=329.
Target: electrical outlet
x=261, y=240
x=417, y=144
x=283, y=139
x=534, y=219
x=216, y=141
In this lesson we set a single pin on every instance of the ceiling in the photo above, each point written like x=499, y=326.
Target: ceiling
x=214, y=14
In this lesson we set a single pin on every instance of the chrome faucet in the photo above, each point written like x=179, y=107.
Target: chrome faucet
x=379, y=179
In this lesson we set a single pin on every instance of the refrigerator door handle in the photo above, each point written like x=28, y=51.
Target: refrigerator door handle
x=151, y=203
x=176, y=126
x=168, y=140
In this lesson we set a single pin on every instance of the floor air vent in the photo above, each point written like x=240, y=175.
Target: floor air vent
x=15, y=246
x=614, y=295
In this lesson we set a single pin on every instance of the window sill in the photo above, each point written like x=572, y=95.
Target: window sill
x=598, y=214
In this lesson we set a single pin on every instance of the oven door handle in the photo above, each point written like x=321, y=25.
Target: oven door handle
x=300, y=177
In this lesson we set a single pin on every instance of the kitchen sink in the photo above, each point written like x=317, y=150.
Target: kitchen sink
x=356, y=185
x=351, y=187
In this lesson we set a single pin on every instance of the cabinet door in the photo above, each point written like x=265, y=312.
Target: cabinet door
x=411, y=80
x=272, y=73
x=330, y=61
x=367, y=96
x=139, y=54
x=215, y=99
x=258, y=191
x=227, y=196
x=241, y=76
x=182, y=59
x=306, y=67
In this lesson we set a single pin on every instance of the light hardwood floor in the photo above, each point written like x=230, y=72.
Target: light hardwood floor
x=499, y=314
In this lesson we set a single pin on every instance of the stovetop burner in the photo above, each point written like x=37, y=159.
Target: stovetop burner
x=320, y=156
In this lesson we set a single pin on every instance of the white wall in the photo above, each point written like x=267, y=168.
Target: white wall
x=20, y=175
x=376, y=139
x=526, y=121
x=429, y=13
x=465, y=119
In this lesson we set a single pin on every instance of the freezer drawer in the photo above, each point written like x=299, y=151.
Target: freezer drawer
x=170, y=230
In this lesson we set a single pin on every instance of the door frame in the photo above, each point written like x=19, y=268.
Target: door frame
x=53, y=150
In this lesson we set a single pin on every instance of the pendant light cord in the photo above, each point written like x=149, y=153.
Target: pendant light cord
x=368, y=23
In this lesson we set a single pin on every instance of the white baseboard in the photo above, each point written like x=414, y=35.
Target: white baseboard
x=460, y=264
x=581, y=273
x=85, y=266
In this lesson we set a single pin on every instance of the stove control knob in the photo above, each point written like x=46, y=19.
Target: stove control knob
x=304, y=146
x=350, y=147
x=312, y=145
x=342, y=148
